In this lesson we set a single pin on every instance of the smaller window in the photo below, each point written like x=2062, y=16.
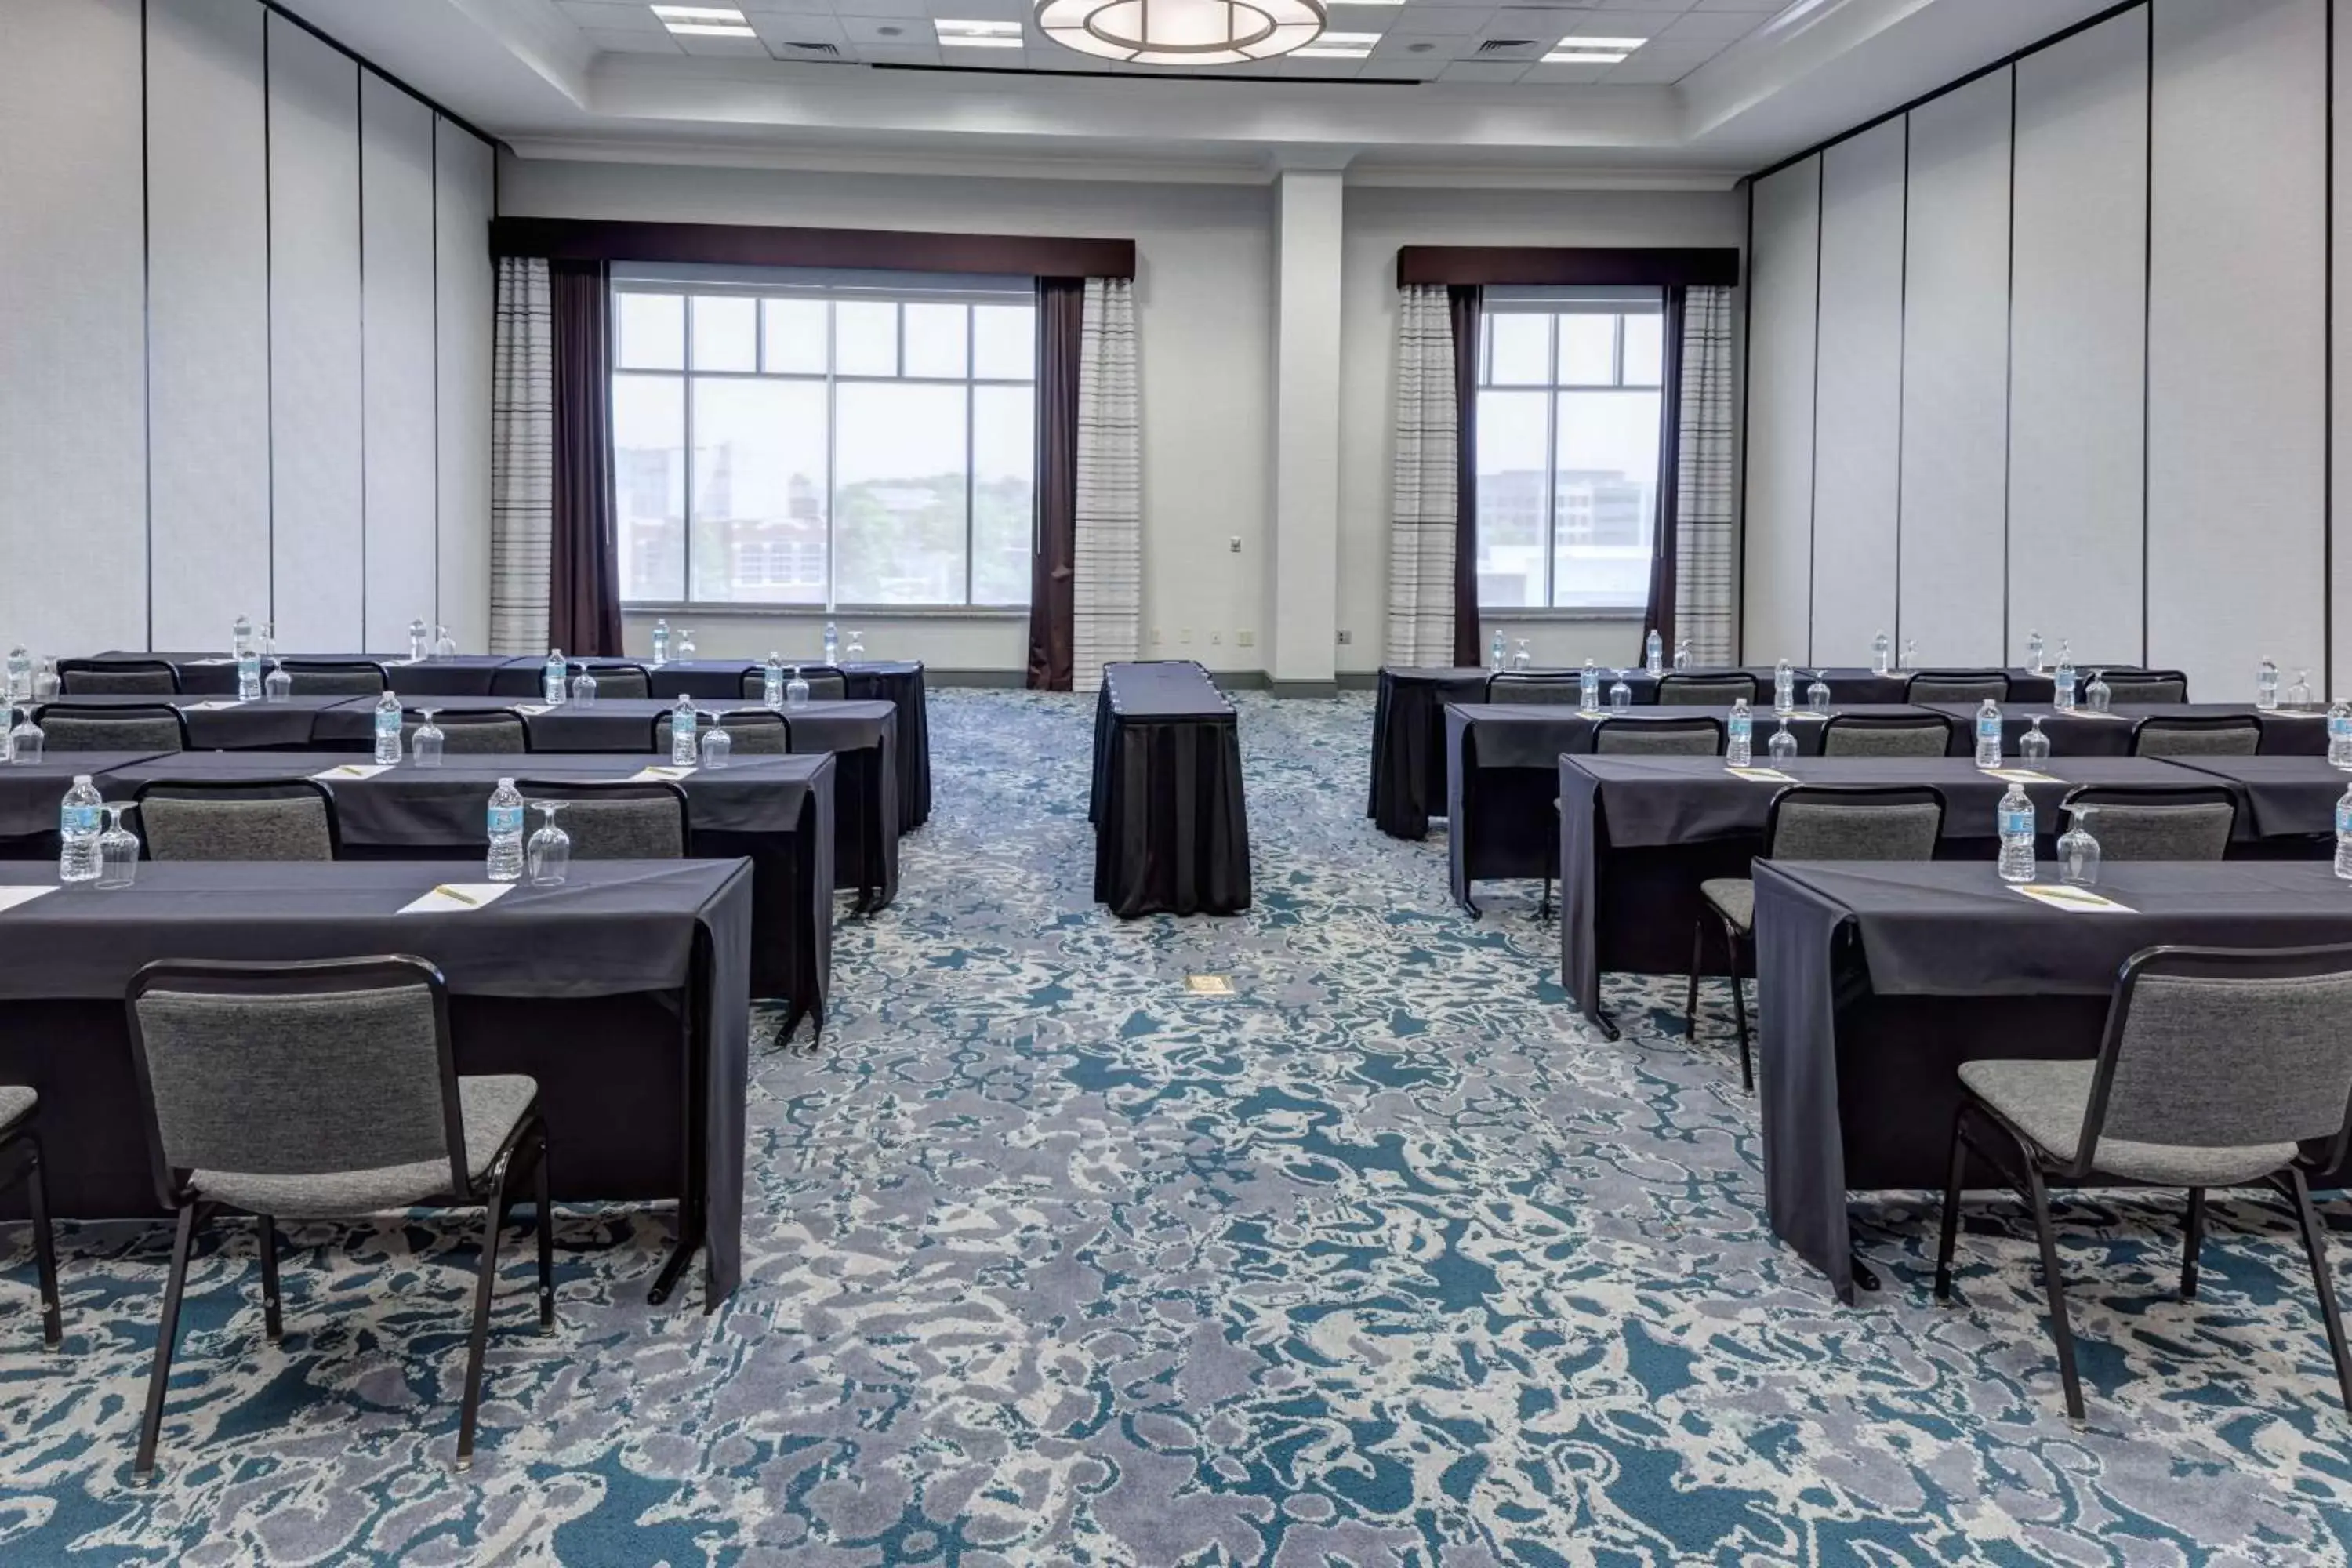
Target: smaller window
x=653, y=330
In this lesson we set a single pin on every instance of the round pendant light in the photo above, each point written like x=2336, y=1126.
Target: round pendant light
x=1182, y=32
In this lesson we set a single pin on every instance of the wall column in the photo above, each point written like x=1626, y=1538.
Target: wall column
x=1303, y=590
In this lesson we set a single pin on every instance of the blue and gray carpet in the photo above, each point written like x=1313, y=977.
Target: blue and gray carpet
x=1383, y=1261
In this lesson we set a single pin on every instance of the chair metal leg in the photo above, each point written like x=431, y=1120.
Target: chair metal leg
x=1543, y=910
x=44, y=1247
x=2191, y=1242
x=1952, y=1186
x=546, y=1240
x=271, y=1321
x=2314, y=1246
x=1690, y=999
x=1739, y=1011
x=2061, y=1331
x=167, y=1334
x=477, y=1342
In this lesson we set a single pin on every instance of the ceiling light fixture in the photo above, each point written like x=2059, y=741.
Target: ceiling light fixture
x=1340, y=46
x=669, y=14
x=1600, y=42
x=710, y=30
x=1582, y=58
x=979, y=35
x=1183, y=32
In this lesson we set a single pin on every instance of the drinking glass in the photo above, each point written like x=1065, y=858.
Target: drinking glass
x=443, y=644
x=1910, y=653
x=856, y=648
x=583, y=686
x=268, y=648
x=1817, y=696
x=425, y=745
x=45, y=682
x=718, y=745
x=25, y=740
x=1681, y=653
x=2034, y=745
x=276, y=686
x=550, y=850
x=1520, y=656
x=118, y=849
x=684, y=648
x=2096, y=695
x=2078, y=852
x=2299, y=694
x=796, y=689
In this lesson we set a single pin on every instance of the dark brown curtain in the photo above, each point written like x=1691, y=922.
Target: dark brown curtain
x=1467, y=302
x=1664, y=535
x=1061, y=324
x=583, y=586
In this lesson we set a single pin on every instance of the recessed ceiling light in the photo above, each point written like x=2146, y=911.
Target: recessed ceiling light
x=980, y=35
x=700, y=14
x=1600, y=42
x=947, y=43
x=1319, y=52
x=1582, y=58
x=710, y=30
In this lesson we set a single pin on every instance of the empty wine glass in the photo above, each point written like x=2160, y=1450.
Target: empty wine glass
x=277, y=686
x=425, y=745
x=1520, y=658
x=684, y=648
x=1620, y=695
x=856, y=648
x=1681, y=653
x=268, y=648
x=796, y=689
x=2299, y=694
x=45, y=682
x=1817, y=696
x=443, y=644
x=2096, y=696
x=718, y=745
x=2034, y=745
x=1783, y=746
x=584, y=686
x=118, y=849
x=1910, y=653
x=2078, y=852
x=548, y=854
x=24, y=740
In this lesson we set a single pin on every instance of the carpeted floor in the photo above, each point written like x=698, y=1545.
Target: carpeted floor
x=1381, y=1262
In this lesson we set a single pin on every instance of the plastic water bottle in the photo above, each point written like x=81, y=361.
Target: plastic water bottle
x=2062, y=695
x=2033, y=745
x=2033, y=652
x=2266, y=699
x=387, y=729
x=1587, y=689
x=240, y=635
x=78, y=858
x=1738, y=748
x=796, y=690
x=661, y=642
x=1494, y=650
x=1653, y=653
x=681, y=732
x=833, y=646
x=551, y=683
x=1783, y=746
x=505, y=833
x=2339, y=734
x=584, y=686
x=2343, y=835
x=1620, y=695
x=1784, y=688
x=2015, y=817
x=1817, y=696
x=771, y=681
x=248, y=675
x=419, y=639
x=1989, y=734
x=1882, y=654
x=276, y=686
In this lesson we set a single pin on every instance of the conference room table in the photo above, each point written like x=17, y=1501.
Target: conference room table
x=2287, y=733
x=1502, y=774
x=2284, y=803
x=1875, y=980
x=31, y=793
x=219, y=723
x=1171, y=827
x=1638, y=835
x=213, y=673
x=623, y=993
x=774, y=812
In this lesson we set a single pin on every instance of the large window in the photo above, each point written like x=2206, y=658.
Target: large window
x=849, y=445
x=1568, y=450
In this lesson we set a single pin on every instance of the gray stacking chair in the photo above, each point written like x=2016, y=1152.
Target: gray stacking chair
x=238, y=819
x=2218, y=1068
x=1886, y=735
x=132, y=727
x=1957, y=686
x=118, y=677
x=323, y=1090
x=620, y=820
x=1699, y=735
x=1517, y=689
x=754, y=730
x=472, y=732
x=336, y=677
x=20, y=1161
x=1810, y=821
x=2157, y=822
x=622, y=681
x=2226, y=735
x=2144, y=686
x=825, y=683
x=1705, y=688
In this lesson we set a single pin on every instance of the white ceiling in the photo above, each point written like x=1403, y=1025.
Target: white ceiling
x=1720, y=89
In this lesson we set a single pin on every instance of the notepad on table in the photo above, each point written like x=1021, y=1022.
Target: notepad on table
x=2058, y=896
x=533, y=710
x=216, y=704
x=2021, y=775
x=659, y=772
x=456, y=898
x=11, y=897
x=1763, y=775
x=353, y=771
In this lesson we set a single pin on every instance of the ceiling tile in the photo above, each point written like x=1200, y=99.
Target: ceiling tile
x=1766, y=6
x=1726, y=26
x=1542, y=75
x=722, y=48
x=1488, y=71
x=658, y=42
x=900, y=8
x=1668, y=6
x=894, y=32
x=605, y=16
x=900, y=54
x=797, y=27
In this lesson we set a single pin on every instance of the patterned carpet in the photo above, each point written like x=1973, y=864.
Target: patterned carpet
x=1382, y=1262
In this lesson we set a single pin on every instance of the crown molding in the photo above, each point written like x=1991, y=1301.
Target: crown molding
x=906, y=164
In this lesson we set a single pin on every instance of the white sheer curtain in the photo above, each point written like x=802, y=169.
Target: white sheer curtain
x=1421, y=518
x=1107, y=587
x=522, y=450
x=1704, y=479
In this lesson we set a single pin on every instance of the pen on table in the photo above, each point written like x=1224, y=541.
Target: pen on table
x=453, y=893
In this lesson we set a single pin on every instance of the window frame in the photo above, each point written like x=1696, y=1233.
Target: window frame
x=1617, y=304
x=829, y=294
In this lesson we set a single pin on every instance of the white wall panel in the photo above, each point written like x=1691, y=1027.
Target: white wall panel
x=1777, y=551
x=208, y=317
x=2236, y=362
x=73, y=448
x=314, y=295
x=2078, y=336
x=465, y=309
x=398, y=260
x=1858, y=432
x=2339, y=659
x=1955, y=377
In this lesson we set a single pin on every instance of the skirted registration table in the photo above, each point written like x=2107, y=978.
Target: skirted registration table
x=623, y=992
x=1876, y=981
x=1171, y=830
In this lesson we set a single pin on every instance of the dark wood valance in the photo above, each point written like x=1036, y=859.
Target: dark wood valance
x=754, y=245
x=1539, y=266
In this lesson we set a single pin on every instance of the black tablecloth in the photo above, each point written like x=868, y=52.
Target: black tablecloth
x=622, y=992
x=775, y=812
x=1877, y=981
x=899, y=682
x=32, y=793
x=704, y=679
x=1409, y=744
x=1502, y=776
x=2278, y=797
x=226, y=725
x=2083, y=734
x=1171, y=828
x=214, y=674
x=1638, y=835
